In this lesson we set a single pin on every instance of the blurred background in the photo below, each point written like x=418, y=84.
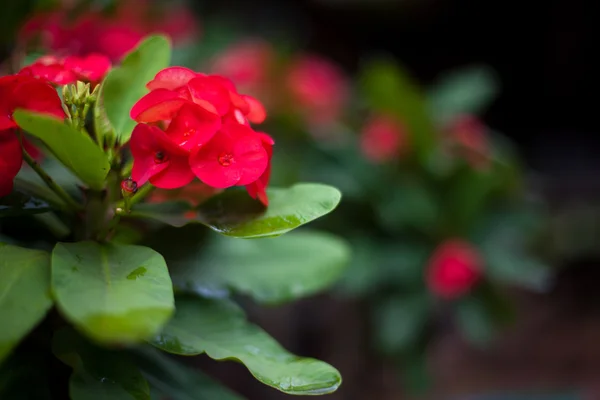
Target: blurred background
x=463, y=135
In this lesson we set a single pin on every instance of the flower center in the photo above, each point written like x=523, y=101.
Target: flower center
x=160, y=157
x=189, y=133
x=226, y=159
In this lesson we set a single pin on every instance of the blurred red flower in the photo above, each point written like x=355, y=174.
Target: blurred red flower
x=63, y=71
x=318, y=87
x=20, y=92
x=469, y=136
x=454, y=269
x=112, y=35
x=383, y=139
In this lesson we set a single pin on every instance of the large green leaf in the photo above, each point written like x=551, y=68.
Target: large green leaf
x=75, y=149
x=466, y=91
x=113, y=293
x=98, y=374
x=219, y=329
x=17, y=203
x=174, y=381
x=24, y=293
x=126, y=84
x=269, y=270
x=390, y=89
x=234, y=213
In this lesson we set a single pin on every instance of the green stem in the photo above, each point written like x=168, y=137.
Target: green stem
x=83, y=117
x=60, y=192
x=136, y=198
x=126, y=172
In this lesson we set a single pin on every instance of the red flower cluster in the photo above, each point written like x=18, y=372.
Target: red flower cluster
x=18, y=91
x=113, y=35
x=454, y=269
x=63, y=71
x=196, y=125
x=383, y=139
x=318, y=87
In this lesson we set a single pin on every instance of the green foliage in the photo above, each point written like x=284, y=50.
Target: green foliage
x=390, y=90
x=75, y=149
x=219, y=329
x=270, y=270
x=18, y=203
x=126, y=84
x=24, y=293
x=468, y=90
x=98, y=373
x=113, y=293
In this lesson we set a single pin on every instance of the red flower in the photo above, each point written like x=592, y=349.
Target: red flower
x=63, y=71
x=158, y=159
x=234, y=156
x=91, y=68
x=470, y=136
x=258, y=188
x=11, y=159
x=318, y=88
x=382, y=139
x=19, y=91
x=246, y=63
x=193, y=126
x=454, y=269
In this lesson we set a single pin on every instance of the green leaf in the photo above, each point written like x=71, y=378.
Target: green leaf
x=234, y=213
x=269, y=270
x=126, y=84
x=17, y=203
x=98, y=374
x=174, y=381
x=113, y=293
x=75, y=149
x=466, y=91
x=400, y=321
x=220, y=329
x=24, y=293
x=389, y=89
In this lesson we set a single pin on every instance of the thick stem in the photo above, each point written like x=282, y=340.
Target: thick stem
x=60, y=192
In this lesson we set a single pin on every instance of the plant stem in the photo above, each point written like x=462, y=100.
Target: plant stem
x=60, y=192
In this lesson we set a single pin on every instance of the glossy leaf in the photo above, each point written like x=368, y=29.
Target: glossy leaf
x=389, y=89
x=113, y=293
x=103, y=129
x=234, y=213
x=75, y=149
x=174, y=381
x=98, y=374
x=17, y=203
x=126, y=84
x=465, y=91
x=219, y=329
x=24, y=293
x=270, y=271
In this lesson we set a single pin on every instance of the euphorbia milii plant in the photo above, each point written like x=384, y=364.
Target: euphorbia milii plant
x=109, y=237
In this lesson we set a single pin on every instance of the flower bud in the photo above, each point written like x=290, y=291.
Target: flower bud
x=128, y=187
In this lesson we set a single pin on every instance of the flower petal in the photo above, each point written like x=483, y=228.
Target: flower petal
x=193, y=126
x=160, y=104
x=171, y=78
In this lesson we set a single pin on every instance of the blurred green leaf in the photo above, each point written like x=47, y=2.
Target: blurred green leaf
x=468, y=90
x=98, y=374
x=18, y=203
x=75, y=149
x=174, y=381
x=409, y=204
x=126, y=84
x=399, y=321
x=219, y=329
x=270, y=270
x=24, y=293
x=390, y=90
x=113, y=293
x=474, y=321
x=103, y=129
